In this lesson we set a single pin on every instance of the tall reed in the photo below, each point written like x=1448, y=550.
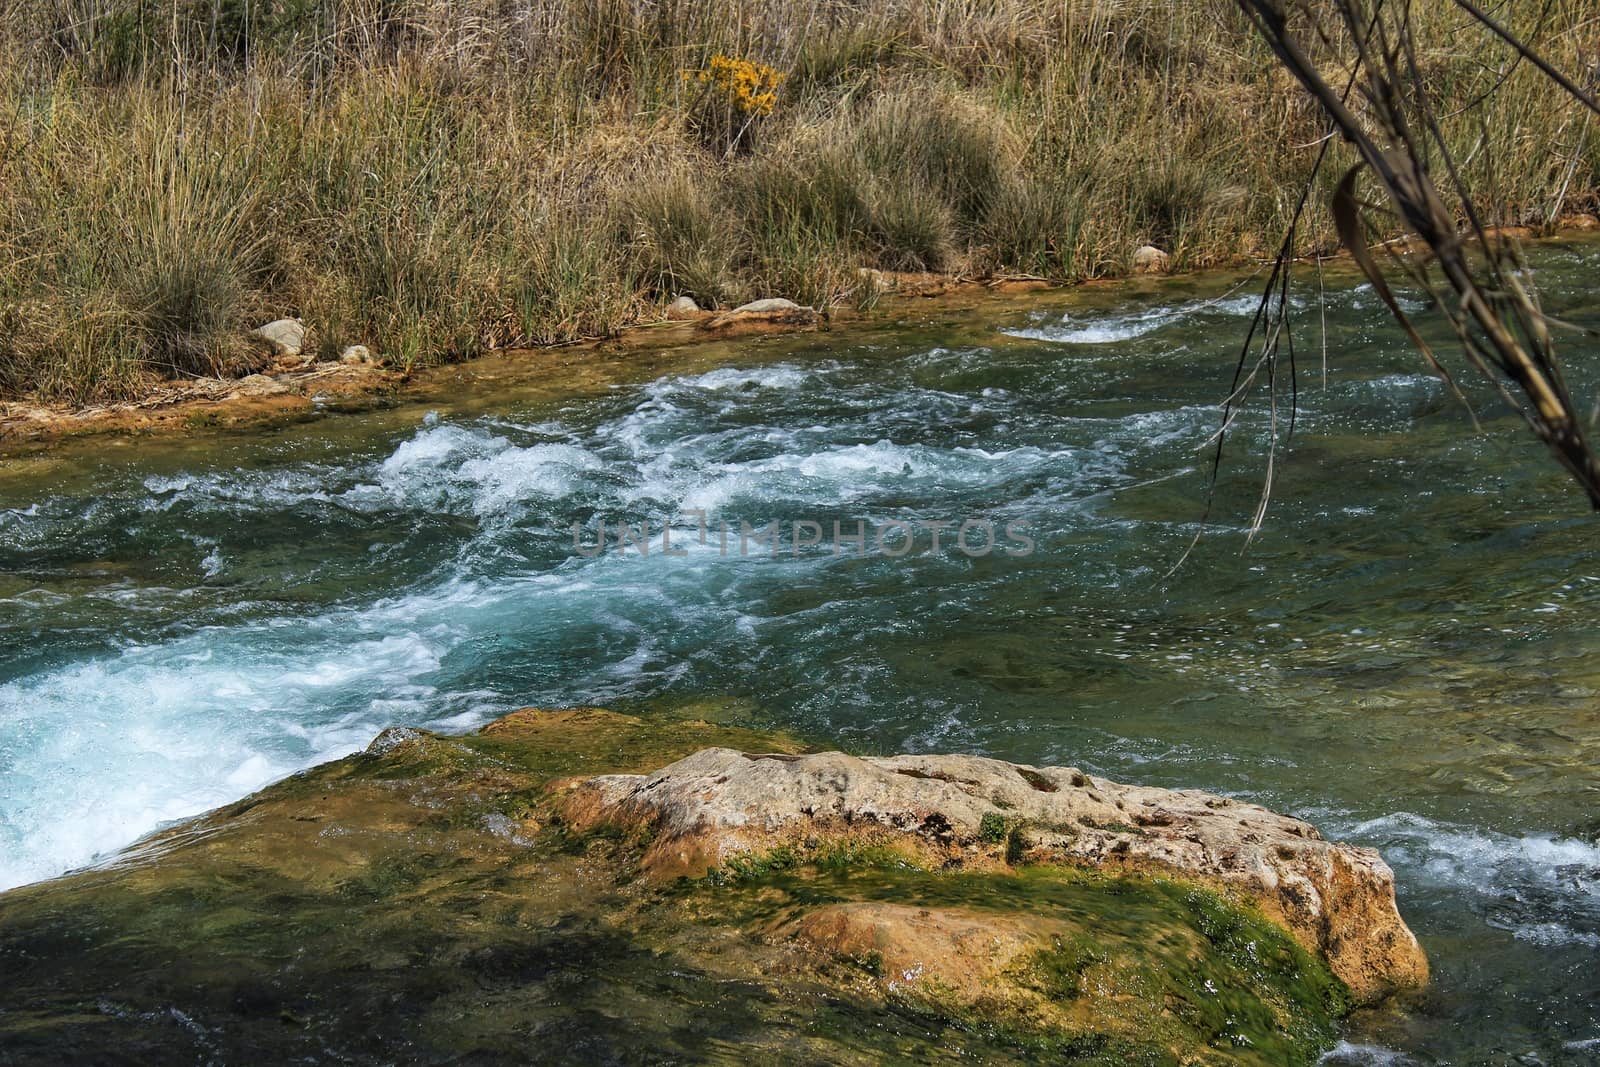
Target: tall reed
x=436, y=177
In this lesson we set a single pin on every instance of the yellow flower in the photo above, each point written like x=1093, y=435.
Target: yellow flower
x=750, y=86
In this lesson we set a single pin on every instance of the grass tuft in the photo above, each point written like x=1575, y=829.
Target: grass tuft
x=681, y=243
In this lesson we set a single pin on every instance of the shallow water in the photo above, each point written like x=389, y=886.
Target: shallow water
x=1404, y=655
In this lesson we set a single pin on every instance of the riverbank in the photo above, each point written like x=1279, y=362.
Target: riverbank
x=468, y=895
x=431, y=186
x=300, y=389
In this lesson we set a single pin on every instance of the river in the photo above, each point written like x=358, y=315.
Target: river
x=1406, y=653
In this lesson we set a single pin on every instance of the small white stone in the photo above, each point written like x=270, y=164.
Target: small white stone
x=683, y=307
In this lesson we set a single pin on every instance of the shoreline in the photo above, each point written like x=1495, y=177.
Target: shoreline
x=288, y=395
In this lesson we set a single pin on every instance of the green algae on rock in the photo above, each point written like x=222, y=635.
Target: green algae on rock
x=430, y=900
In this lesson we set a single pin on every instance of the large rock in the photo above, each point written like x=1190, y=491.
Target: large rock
x=457, y=916
x=683, y=308
x=773, y=315
x=1148, y=259
x=286, y=337
x=771, y=305
x=718, y=804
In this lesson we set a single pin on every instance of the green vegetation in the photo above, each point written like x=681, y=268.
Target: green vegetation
x=433, y=180
x=1147, y=965
x=993, y=828
x=846, y=854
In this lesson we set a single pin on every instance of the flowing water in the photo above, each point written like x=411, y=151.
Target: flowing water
x=1405, y=655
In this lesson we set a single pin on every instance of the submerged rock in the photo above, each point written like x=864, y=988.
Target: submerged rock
x=1337, y=900
x=469, y=899
x=965, y=952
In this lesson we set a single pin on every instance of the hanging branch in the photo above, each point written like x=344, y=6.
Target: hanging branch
x=1394, y=129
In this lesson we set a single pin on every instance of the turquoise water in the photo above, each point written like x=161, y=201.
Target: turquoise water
x=1405, y=654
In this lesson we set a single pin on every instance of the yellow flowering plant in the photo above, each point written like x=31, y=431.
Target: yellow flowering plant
x=735, y=94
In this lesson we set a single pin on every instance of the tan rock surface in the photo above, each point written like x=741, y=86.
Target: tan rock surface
x=717, y=804
x=773, y=315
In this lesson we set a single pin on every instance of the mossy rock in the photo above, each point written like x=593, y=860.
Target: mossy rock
x=422, y=902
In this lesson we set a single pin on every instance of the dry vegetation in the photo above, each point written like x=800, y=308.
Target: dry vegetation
x=431, y=178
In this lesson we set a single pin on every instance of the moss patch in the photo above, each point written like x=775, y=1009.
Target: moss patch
x=1154, y=965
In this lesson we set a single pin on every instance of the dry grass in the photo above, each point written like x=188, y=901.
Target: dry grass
x=435, y=177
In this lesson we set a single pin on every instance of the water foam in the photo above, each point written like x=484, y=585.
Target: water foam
x=101, y=752
x=1540, y=888
x=485, y=474
x=1127, y=326
x=775, y=376
x=1107, y=330
x=1347, y=1054
x=97, y=752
